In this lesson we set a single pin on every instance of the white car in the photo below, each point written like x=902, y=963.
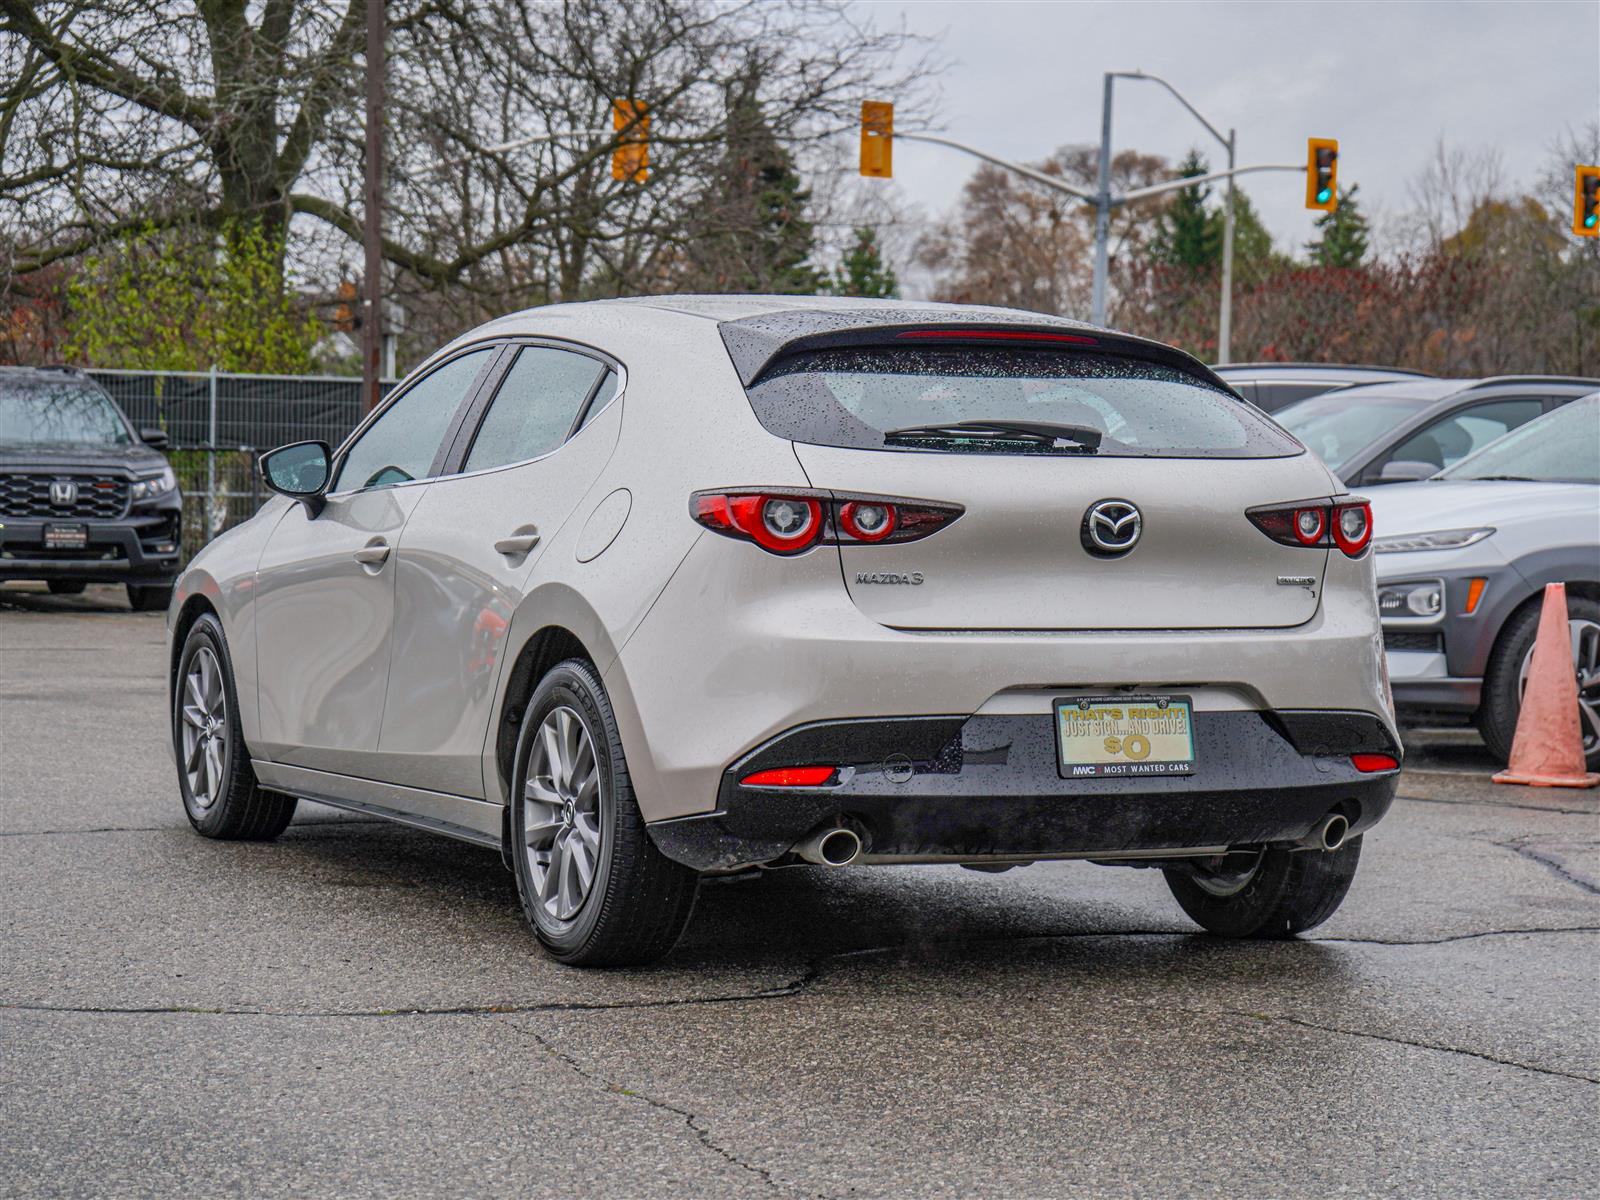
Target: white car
x=637, y=590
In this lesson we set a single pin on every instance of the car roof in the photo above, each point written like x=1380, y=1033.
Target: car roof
x=51, y=372
x=1315, y=372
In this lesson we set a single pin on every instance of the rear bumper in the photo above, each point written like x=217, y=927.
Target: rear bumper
x=931, y=788
x=121, y=551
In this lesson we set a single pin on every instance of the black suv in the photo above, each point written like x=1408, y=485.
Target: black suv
x=83, y=497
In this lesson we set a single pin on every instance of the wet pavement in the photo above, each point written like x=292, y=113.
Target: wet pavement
x=357, y=1010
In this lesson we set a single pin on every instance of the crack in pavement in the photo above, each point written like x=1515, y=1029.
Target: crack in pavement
x=691, y=1120
x=1555, y=867
x=1393, y=1039
x=307, y=827
x=1567, y=812
x=791, y=987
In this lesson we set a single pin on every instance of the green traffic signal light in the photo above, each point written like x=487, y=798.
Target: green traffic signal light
x=1590, y=221
x=1324, y=195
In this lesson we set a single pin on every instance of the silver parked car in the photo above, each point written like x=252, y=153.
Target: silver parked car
x=638, y=590
x=1462, y=565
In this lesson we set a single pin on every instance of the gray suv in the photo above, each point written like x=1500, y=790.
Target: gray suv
x=84, y=497
x=1462, y=562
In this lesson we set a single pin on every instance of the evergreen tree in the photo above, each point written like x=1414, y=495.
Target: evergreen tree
x=755, y=235
x=1187, y=235
x=1254, y=256
x=862, y=271
x=1344, y=234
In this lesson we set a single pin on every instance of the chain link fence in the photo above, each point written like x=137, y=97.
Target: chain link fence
x=219, y=424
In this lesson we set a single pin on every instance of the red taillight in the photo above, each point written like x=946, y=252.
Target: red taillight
x=1000, y=335
x=1352, y=527
x=867, y=522
x=790, y=777
x=1321, y=523
x=781, y=524
x=1309, y=525
x=790, y=523
x=1368, y=763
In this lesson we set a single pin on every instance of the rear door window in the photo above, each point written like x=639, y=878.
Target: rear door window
x=535, y=407
x=884, y=398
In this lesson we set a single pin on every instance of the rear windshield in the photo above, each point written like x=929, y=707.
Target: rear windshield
x=869, y=397
x=1335, y=425
x=45, y=413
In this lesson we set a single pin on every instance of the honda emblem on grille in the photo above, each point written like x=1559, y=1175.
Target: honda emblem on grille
x=63, y=493
x=1111, y=528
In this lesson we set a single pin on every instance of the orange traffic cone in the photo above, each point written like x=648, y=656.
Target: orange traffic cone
x=1548, y=748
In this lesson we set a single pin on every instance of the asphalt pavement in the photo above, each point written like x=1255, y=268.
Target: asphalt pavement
x=357, y=1009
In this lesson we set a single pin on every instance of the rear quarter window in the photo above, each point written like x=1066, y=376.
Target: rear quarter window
x=853, y=396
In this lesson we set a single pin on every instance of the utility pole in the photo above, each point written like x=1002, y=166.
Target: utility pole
x=372, y=232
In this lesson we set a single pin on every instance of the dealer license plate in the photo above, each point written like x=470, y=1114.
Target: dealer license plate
x=66, y=537
x=1125, y=735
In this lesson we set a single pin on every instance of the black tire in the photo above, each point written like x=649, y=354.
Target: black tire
x=236, y=808
x=66, y=587
x=639, y=901
x=1289, y=892
x=149, y=597
x=1502, y=679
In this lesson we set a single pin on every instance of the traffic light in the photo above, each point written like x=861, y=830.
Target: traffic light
x=631, y=159
x=1586, y=202
x=347, y=312
x=1322, y=173
x=877, y=138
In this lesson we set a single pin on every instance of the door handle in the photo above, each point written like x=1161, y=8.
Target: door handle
x=520, y=542
x=374, y=554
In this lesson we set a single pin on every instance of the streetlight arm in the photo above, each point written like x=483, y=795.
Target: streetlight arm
x=1173, y=185
x=1040, y=177
x=1176, y=95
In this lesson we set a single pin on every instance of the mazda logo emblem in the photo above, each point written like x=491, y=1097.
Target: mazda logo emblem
x=1111, y=528
x=63, y=492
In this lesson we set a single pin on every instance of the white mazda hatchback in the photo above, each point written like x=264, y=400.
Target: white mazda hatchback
x=639, y=590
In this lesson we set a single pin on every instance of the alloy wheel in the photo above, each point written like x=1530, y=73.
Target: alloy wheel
x=1586, y=665
x=204, y=716
x=561, y=814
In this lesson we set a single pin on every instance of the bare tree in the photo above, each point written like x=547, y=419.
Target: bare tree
x=1021, y=244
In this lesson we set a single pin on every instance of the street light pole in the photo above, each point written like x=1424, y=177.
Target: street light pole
x=1102, y=211
x=1225, y=317
x=1103, y=207
x=372, y=231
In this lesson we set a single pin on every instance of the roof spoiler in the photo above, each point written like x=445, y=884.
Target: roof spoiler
x=755, y=343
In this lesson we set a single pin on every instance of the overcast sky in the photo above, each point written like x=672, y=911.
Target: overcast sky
x=1385, y=78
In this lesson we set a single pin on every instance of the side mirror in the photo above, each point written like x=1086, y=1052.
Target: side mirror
x=1406, y=471
x=299, y=471
x=155, y=438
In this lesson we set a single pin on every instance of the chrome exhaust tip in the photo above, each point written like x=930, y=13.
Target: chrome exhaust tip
x=837, y=847
x=1329, y=834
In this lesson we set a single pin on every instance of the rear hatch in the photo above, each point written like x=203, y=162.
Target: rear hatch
x=1135, y=433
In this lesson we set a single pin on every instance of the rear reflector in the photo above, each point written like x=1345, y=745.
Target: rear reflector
x=1368, y=763
x=790, y=777
x=1000, y=335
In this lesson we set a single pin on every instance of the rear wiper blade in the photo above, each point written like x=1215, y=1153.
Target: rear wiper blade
x=1048, y=432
